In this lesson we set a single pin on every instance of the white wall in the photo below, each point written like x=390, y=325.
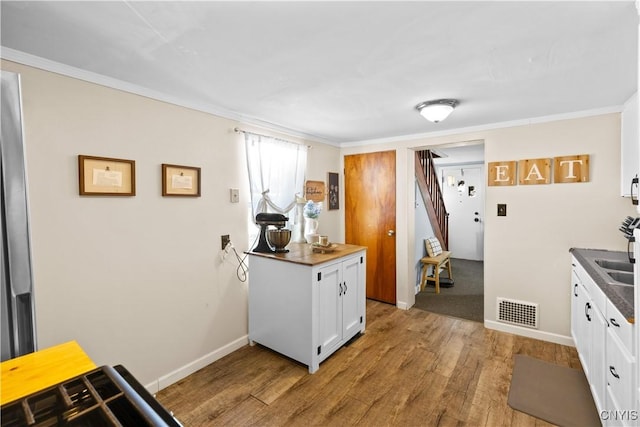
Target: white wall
x=527, y=253
x=138, y=280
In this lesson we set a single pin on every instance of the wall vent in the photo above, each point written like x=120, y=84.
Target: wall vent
x=519, y=313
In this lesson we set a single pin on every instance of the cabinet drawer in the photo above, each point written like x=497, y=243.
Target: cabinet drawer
x=620, y=372
x=620, y=327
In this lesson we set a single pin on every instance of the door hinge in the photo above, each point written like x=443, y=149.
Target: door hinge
x=360, y=319
x=319, y=276
x=361, y=260
x=319, y=348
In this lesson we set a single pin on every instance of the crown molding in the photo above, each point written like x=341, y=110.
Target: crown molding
x=488, y=127
x=99, y=79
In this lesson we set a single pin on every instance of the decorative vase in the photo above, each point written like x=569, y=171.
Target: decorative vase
x=311, y=229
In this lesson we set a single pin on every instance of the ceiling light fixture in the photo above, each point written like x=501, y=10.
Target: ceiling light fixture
x=438, y=110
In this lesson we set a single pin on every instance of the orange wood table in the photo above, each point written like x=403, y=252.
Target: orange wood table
x=36, y=371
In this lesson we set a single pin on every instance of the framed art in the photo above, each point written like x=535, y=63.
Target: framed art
x=180, y=180
x=314, y=190
x=334, y=191
x=104, y=176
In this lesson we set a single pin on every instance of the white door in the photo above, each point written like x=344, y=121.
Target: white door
x=463, y=192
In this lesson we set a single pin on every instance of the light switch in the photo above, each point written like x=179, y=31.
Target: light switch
x=502, y=209
x=235, y=195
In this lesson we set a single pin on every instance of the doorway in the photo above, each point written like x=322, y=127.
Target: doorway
x=463, y=192
x=461, y=171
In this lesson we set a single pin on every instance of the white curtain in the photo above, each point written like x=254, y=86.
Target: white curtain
x=276, y=173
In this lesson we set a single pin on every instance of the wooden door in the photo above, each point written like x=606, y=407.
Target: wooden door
x=370, y=217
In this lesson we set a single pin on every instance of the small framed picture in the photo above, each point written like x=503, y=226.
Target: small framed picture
x=180, y=180
x=334, y=191
x=104, y=176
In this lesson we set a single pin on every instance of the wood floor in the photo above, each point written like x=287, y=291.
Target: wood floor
x=410, y=368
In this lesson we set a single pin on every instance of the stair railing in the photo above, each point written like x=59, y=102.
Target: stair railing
x=432, y=194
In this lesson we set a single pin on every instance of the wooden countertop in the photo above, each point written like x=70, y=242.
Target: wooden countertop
x=36, y=371
x=302, y=253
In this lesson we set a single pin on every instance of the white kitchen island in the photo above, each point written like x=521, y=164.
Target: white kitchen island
x=306, y=305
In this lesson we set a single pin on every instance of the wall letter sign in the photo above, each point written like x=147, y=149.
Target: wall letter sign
x=534, y=171
x=538, y=171
x=502, y=173
x=571, y=168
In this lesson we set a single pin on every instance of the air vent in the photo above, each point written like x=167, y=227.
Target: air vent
x=519, y=313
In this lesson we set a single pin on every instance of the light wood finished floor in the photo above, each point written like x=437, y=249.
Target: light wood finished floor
x=410, y=368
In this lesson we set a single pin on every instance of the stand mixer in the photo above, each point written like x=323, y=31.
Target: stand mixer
x=278, y=238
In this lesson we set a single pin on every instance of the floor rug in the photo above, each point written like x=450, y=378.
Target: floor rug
x=556, y=394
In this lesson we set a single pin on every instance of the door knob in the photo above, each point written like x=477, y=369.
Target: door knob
x=391, y=232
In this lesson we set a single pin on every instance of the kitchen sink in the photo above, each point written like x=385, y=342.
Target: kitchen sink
x=615, y=265
x=622, y=277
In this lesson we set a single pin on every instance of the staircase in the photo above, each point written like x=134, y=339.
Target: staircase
x=432, y=196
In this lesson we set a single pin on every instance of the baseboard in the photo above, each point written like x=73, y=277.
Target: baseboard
x=191, y=367
x=529, y=333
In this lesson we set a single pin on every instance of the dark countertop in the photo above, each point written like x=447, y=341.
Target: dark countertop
x=620, y=295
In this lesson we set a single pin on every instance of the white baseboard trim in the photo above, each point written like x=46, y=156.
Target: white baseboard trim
x=191, y=367
x=530, y=333
x=402, y=305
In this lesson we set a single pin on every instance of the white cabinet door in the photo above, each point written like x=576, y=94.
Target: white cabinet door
x=351, y=295
x=597, y=375
x=330, y=307
x=580, y=304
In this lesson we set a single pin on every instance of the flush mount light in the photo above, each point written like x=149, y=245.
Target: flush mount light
x=438, y=110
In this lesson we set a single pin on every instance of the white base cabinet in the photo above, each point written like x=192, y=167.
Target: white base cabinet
x=589, y=328
x=306, y=312
x=605, y=341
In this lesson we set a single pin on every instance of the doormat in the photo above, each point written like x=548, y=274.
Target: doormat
x=556, y=394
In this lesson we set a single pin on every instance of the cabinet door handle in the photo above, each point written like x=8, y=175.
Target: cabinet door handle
x=587, y=307
x=340, y=292
x=613, y=372
x=575, y=290
x=345, y=288
x=614, y=323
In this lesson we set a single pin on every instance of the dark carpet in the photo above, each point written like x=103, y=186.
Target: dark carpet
x=465, y=299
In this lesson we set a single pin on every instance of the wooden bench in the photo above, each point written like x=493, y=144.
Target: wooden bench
x=438, y=262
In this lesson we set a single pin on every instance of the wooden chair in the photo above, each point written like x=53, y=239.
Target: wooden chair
x=438, y=262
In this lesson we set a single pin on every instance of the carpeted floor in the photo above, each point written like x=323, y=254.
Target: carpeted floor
x=465, y=299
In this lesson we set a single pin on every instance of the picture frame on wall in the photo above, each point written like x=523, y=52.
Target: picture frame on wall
x=106, y=176
x=334, y=191
x=180, y=181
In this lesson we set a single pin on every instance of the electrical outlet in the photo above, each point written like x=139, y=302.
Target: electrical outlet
x=225, y=240
x=234, y=195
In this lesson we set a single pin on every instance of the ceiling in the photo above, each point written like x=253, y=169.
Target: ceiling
x=343, y=71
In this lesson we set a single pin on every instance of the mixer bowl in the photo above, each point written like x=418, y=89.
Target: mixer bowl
x=279, y=238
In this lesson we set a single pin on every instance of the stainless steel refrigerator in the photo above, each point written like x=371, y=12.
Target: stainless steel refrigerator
x=17, y=331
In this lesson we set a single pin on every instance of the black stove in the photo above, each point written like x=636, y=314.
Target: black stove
x=106, y=396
